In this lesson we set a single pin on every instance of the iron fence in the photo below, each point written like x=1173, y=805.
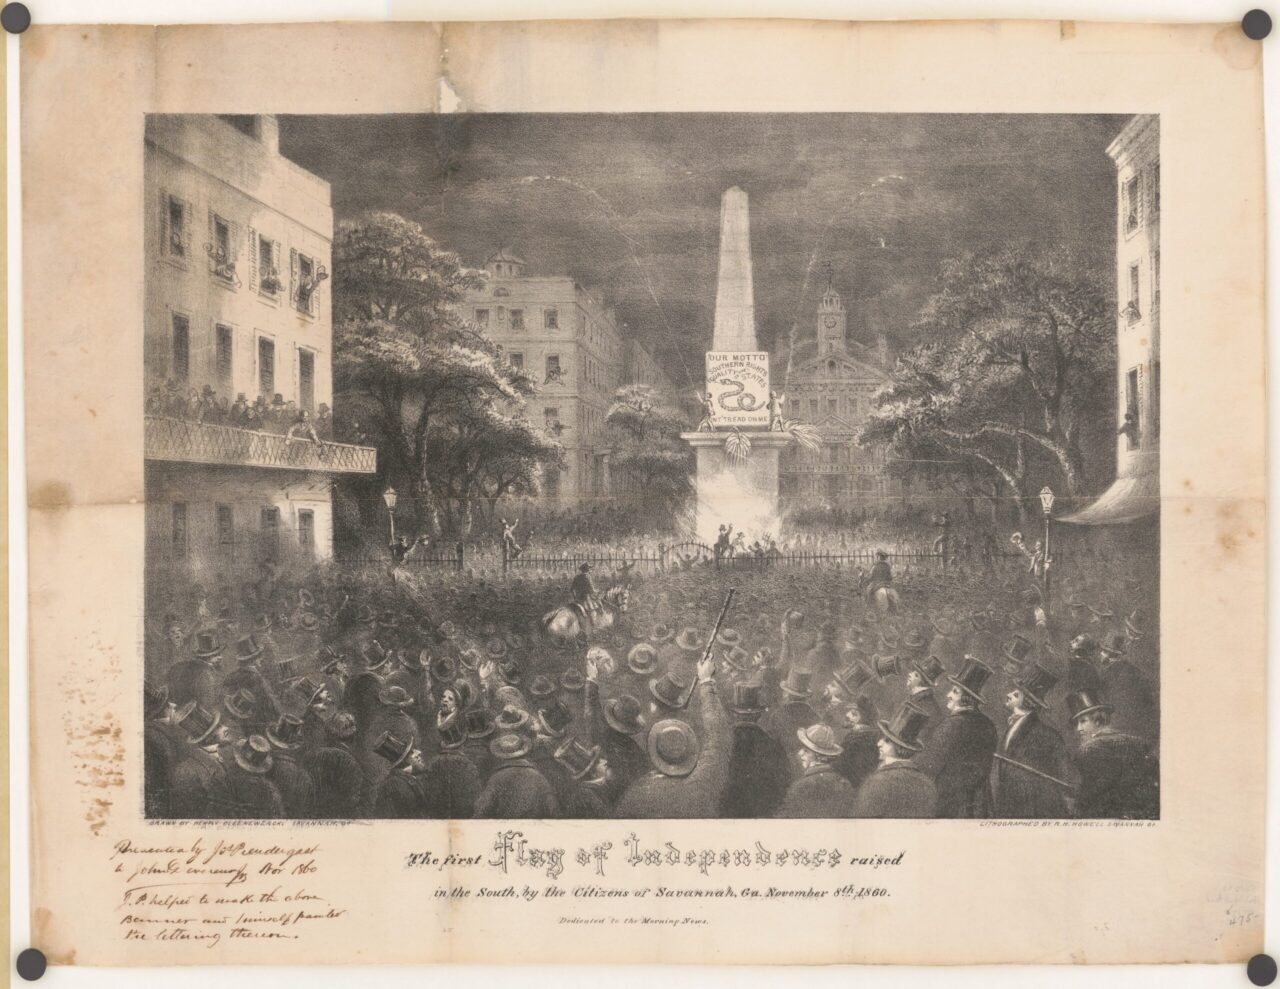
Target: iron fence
x=167, y=438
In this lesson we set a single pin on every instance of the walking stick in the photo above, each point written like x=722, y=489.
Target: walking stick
x=706, y=653
x=1035, y=772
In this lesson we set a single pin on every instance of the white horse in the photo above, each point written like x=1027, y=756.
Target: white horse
x=567, y=625
x=884, y=599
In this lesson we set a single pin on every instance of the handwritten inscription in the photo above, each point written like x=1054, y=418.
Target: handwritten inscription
x=209, y=891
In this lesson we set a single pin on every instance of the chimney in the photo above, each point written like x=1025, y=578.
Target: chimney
x=269, y=133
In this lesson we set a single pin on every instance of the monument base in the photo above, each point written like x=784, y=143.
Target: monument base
x=738, y=492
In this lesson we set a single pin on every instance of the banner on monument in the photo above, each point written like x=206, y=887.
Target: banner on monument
x=738, y=383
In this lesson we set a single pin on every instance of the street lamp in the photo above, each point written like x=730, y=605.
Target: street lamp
x=389, y=496
x=1046, y=502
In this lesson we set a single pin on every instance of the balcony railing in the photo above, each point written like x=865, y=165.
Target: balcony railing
x=204, y=443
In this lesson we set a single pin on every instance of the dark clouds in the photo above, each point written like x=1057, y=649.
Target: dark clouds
x=632, y=205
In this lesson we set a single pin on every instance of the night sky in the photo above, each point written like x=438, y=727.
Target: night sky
x=633, y=203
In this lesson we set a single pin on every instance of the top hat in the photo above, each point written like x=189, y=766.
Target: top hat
x=155, y=701
x=585, y=567
x=881, y=555
x=248, y=649
x=555, y=719
x=479, y=722
x=1036, y=682
x=885, y=667
x=287, y=668
x=512, y=718
x=854, y=676
x=496, y=648
x=286, y=733
x=660, y=633
x=642, y=658
x=576, y=758
x=1113, y=644
x=972, y=676
x=670, y=689
x=510, y=746
x=308, y=688
x=394, y=750
x=747, y=698
x=673, y=747
x=865, y=708
x=690, y=640
x=240, y=704
x=821, y=739
x=798, y=683
x=572, y=680
x=395, y=696
x=207, y=644
x=253, y=755
x=623, y=714
x=452, y=733
x=904, y=730
x=1019, y=649
x=1084, y=702
x=728, y=637
x=198, y=723
x=443, y=669
x=930, y=669
x=737, y=657
x=541, y=686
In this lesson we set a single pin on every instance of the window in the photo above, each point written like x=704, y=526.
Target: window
x=1132, y=310
x=269, y=533
x=831, y=406
x=177, y=224
x=1155, y=275
x=551, y=417
x=1132, y=190
x=813, y=408
x=517, y=319
x=482, y=318
x=225, y=523
x=1155, y=190
x=266, y=367
x=268, y=273
x=517, y=359
x=306, y=380
x=307, y=276
x=178, y=538
x=554, y=373
x=307, y=532
x=221, y=240
x=1132, y=428
x=222, y=346
x=181, y=347
x=552, y=482
x=551, y=319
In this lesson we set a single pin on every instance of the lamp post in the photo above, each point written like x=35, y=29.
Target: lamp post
x=389, y=497
x=1046, y=502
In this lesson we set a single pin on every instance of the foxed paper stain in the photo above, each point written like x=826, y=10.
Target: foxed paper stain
x=94, y=737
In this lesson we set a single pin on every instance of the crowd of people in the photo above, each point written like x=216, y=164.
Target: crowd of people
x=399, y=692
x=276, y=415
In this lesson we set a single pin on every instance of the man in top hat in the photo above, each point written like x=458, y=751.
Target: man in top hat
x=198, y=678
x=516, y=788
x=163, y=745
x=584, y=787
x=860, y=754
x=401, y=794
x=898, y=788
x=792, y=712
x=922, y=676
x=199, y=779
x=584, y=590
x=1082, y=668
x=451, y=783
x=959, y=753
x=1119, y=772
x=618, y=727
x=297, y=790
x=820, y=791
x=758, y=769
x=1128, y=691
x=337, y=776
x=881, y=576
x=250, y=791
x=1032, y=742
x=687, y=777
x=248, y=676
x=412, y=675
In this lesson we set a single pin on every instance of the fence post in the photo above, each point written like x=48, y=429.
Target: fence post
x=461, y=557
x=506, y=558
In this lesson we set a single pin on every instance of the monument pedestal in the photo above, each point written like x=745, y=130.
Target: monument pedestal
x=741, y=493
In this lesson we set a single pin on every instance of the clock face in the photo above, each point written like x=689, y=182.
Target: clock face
x=831, y=322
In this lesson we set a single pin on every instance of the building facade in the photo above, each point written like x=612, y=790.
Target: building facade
x=569, y=342
x=1135, y=492
x=237, y=246
x=833, y=386
x=641, y=368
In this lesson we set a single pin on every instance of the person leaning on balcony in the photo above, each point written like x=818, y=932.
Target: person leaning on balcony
x=303, y=428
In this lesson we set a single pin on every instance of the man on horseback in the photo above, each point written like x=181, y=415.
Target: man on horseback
x=880, y=576
x=584, y=591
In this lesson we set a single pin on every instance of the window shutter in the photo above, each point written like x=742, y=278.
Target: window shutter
x=234, y=236
x=253, y=258
x=186, y=228
x=212, y=242
x=164, y=224
x=277, y=259
x=293, y=276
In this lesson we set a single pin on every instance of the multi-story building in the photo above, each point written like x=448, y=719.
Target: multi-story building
x=1135, y=494
x=237, y=314
x=568, y=340
x=641, y=368
x=833, y=386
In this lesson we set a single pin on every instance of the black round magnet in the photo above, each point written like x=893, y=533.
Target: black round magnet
x=1256, y=24
x=31, y=962
x=15, y=18
x=1261, y=970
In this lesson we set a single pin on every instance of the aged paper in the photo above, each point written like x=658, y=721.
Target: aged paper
x=162, y=712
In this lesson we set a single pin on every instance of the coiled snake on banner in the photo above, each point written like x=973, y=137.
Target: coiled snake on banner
x=745, y=403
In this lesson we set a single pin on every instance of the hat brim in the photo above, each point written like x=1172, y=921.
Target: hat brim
x=198, y=654
x=676, y=704
x=617, y=725
x=248, y=767
x=213, y=726
x=931, y=681
x=661, y=764
x=884, y=730
x=808, y=744
x=523, y=750
x=967, y=690
x=1090, y=710
x=287, y=746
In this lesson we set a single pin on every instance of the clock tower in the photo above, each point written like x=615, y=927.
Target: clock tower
x=831, y=320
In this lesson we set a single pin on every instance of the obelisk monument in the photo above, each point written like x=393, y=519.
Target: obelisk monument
x=737, y=451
